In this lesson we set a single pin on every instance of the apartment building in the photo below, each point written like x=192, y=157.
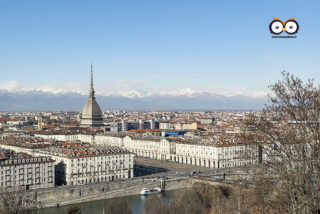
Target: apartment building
x=124, y=126
x=81, y=163
x=178, y=126
x=77, y=162
x=150, y=147
x=24, y=170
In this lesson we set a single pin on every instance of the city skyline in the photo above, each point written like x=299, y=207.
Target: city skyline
x=211, y=105
x=141, y=48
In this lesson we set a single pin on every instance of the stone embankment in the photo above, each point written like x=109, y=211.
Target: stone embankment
x=64, y=195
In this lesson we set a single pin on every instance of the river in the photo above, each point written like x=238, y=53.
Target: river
x=135, y=202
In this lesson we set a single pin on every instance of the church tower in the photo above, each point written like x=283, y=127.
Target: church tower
x=91, y=114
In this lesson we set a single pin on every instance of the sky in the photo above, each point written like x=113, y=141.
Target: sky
x=155, y=45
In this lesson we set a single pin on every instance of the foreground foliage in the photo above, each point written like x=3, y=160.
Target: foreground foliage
x=209, y=199
x=288, y=132
x=16, y=201
x=120, y=206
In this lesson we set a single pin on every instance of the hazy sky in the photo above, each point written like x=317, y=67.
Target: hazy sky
x=155, y=44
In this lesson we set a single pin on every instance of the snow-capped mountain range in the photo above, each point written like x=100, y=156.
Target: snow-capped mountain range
x=48, y=99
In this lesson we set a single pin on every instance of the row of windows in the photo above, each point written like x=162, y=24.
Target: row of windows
x=104, y=178
x=100, y=158
x=100, y=164
x=37, y=178
x=85, y=170
x=26, y=166
x=22, y=171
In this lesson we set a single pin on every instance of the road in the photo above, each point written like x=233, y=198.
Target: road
x=179, y=170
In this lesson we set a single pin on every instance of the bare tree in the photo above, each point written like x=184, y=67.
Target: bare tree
x=288, y=131
x=120, y=206
x=200, y=199
x=16, y=201
x=154, y=205
x=74, y=210
x=188, y=201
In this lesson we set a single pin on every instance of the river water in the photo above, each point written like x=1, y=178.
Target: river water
x=135, y=202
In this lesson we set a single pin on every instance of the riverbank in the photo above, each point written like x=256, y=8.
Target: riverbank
x=135, y=202
x=99, y=203
x=64, y=195
x=60, y=196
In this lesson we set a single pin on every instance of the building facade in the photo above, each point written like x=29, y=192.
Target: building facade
x=84, y=169
x=194, y=152
x=76, y=163
x=24, y=170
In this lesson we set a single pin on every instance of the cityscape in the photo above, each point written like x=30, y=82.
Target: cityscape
x=95, y=146
x=151, y=110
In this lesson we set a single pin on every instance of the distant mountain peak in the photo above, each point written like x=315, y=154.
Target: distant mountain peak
x=181, y=99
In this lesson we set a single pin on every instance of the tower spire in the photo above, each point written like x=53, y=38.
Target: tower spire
x=91, y=93
x=91, y=76
x=91, y=114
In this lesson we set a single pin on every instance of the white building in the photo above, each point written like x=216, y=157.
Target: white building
x=215, y=155
x=156, y=148
x=21, y=169
x=110, y=139
x=195, y=152
x=79, y=163
x=75, y=167
x=164, y=125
